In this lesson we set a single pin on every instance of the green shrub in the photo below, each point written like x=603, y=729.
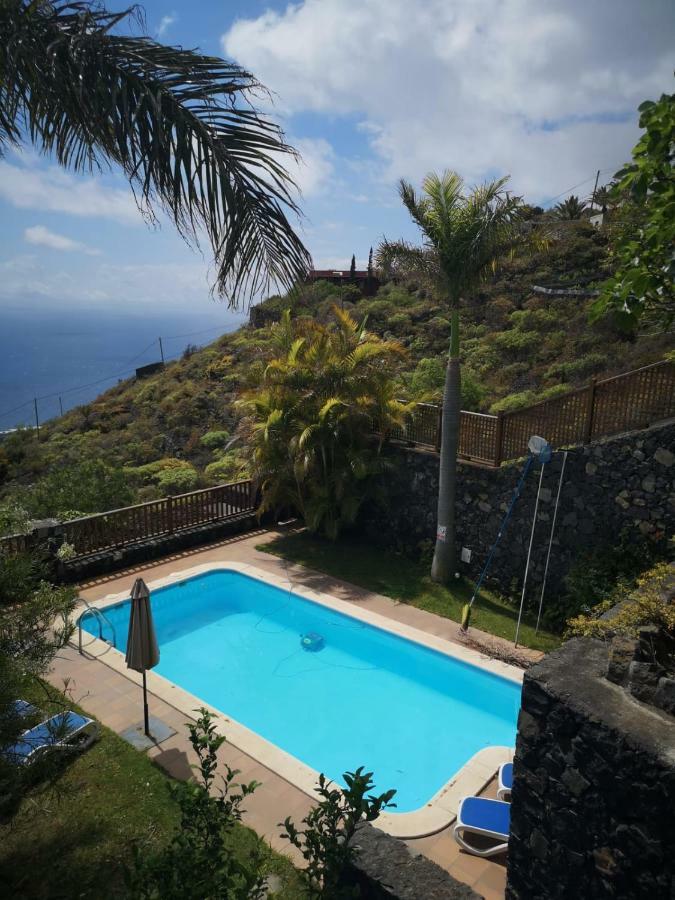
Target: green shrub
x=515, y=341
x=89, y=486
x=514, y=401
x=13, y=518
x=199, y=861
x=537, y=319
x=576, y=369
x=606, y=573
x=214, y=440
x=232, y=466
x=178, y=480
x=641, y=605
x=327, y=840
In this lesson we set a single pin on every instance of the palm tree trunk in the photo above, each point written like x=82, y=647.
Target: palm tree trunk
x=443, y=565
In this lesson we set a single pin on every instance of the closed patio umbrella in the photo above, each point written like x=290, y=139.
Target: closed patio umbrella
x=142, y=650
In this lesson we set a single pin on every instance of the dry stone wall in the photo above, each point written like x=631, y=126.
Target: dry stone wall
x=594, y=786
x=621, y=483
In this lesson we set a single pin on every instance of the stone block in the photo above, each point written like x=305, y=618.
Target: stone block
x=575, y=781
x=642, y=680
x=621, y=654
x=664, y=696
x=664, y=456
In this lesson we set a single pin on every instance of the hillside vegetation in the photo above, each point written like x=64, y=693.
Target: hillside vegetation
x=176, y=430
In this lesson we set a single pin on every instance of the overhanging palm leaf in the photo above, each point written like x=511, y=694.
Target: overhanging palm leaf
x=180, y=124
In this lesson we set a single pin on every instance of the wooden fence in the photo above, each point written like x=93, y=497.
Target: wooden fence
x=131, y=524
x=625, y=402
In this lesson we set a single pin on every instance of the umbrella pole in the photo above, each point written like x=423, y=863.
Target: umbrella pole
x=145, y=706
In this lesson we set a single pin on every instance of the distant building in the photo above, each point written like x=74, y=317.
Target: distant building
x=338, y=277
x=597, y=219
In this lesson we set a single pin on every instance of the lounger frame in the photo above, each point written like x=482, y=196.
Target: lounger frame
x=463, y=828
x=79, y=738
x=503, y=789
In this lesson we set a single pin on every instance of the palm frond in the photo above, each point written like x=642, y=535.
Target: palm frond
x=180, y=124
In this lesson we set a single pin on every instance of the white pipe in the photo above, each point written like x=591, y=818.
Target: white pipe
x=550, y=543
x=529, y=553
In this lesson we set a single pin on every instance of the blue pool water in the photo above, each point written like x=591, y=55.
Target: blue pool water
x=368, y=697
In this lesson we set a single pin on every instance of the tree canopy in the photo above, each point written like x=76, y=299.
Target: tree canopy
x=643, y=286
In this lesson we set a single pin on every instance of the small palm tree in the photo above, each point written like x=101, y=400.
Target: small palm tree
x=179, y=124
x=569, y=210
x=465, y=233
x=309, y=419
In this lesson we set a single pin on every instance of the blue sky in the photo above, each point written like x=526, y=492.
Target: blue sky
x=369, y=91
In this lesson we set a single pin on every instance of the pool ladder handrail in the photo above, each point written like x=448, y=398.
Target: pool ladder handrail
x=100, y=618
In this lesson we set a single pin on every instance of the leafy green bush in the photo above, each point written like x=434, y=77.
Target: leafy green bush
x=641, y=605
x=214, y=440
x=198, y=862
x=514, y=401
x=606, y=572
x=88, y=487
x=515, y=341
x=178, y=480
x=536, y=319
x=232, y=466
x=327, y=842
x=13, y=518
x=577, y=369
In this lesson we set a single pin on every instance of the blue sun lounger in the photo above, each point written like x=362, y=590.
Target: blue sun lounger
x=64, y=731
x=486, y=818
x=505, y=781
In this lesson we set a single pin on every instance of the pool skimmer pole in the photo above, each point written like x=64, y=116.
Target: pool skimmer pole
x=542, y=450
x=538, y=449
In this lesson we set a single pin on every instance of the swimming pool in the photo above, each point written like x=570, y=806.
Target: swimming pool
x=411, y=714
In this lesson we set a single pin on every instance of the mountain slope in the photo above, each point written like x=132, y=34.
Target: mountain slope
x=172, y=431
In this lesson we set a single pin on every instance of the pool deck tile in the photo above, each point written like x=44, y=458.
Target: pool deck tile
x=116, y=700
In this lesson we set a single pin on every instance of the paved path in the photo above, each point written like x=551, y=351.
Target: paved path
x=116, y=701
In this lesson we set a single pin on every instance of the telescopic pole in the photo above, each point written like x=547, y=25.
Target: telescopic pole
x=529, y=554
x=550, y=542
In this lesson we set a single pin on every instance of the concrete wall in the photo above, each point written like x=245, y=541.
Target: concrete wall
x=622, y=482
x=592, y=811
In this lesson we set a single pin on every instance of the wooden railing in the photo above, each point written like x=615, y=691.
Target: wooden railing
x=131, y=524
x=625, y=402
x=109, y=530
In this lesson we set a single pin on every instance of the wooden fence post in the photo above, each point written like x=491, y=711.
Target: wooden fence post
x=439, y=428
x=169, y=513
x=499, y=438
x=590, y=411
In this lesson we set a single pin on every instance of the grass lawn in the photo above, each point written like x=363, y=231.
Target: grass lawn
x=407, y=581
x=73, y=839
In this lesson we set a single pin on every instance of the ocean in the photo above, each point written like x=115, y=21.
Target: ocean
x=67, y=357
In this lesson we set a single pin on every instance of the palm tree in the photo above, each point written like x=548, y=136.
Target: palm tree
x=180, y=125
x=465, y=233
x=310, y=418
x=569, y=210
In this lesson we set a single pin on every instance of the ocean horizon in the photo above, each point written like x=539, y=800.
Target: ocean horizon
x=64, y=358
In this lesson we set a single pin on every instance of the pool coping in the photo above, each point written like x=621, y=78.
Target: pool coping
x=439, y=812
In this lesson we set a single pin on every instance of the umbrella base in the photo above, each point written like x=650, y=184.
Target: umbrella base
x=159, y=731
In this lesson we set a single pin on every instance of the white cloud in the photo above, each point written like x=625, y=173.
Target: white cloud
x=546, y=91
x=315, y=167
x=53, y=190
x=40, y=235
x=165, y=23
x=183, y=283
